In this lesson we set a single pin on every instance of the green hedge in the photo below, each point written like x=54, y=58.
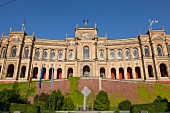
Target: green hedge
x=26, y=108
x=151, y=108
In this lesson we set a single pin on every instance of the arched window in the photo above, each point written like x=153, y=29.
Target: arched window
x=52, y=55
x=14, y=51
x=146, y=49
x=127, y=53
x=44, y=54
x=23, y=70
x=60, y=55
x=3, y=53
x=159, y=49
x=135, y=53
x=169, y=49
x=111, y=54
x=37, y=53
x=10, y=70
x=26, y=52
x=119, y=54
x=86, y=52
x=101, y=55
x=71, y=55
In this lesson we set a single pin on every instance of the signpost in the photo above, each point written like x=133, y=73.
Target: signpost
x=85, y=91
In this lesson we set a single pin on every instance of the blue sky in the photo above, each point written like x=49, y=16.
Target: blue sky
x=52, y=19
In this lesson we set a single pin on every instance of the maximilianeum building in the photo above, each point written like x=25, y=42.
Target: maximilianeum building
x=145, y=57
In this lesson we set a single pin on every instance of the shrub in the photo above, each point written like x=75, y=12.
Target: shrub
x=124, y=105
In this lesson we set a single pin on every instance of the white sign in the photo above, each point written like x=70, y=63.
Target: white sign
x=85, y=91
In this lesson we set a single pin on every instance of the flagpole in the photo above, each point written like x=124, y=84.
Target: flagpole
x=41, y=74
x=52, y=72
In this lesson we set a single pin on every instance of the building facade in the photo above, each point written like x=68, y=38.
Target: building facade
x=145, y=57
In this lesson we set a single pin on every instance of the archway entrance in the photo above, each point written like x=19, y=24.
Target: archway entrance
x=35, y=72
x=129, y=73
x=44, y=73
x=10, y=71
x=137, y=71
x=59, y=73
x=86, y=71
x=113, y=73
x=150, y=71
x=51, y=73
x=23, y=69
x=70, y=73
x=121, y=73
x=102, y=72
x=163, y=70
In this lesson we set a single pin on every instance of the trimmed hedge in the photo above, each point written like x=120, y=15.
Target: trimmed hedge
x=26, y=108
x=151, y=108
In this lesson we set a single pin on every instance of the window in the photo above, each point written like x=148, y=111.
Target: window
x=44, y=54
x=135, y=53
x=3, y=53
x=127, y=53
x=146, y=50
x=14, y=51
x=86, y=53
x=169, y=49
x=119, y=54
x=26, y=52
x=60, y=55
x=52, y=54
x=37, y=53
x=111, y=54
x=71, y=55
x=101, y=55
x=159, y=49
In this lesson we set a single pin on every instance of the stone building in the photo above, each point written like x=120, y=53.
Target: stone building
x=145, y=57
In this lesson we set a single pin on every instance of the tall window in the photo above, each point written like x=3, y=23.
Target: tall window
x=3, y=53
x=112, y=54
x=101, y=55
x=52, y=55
x=119, y=54
x=37, y=53
x=159, y=49
x=45, y=54
x=60, y=55
x=71, y=55
x=127, y=53
x=86, y=53
x=14, y=51
x=146, y=50
x=169, y=49
x=135, y=53
x=26, y=52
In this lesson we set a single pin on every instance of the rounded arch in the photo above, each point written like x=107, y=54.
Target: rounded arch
x=137, y=72
x=51, y=73
x=44, y=73
x=146, y=51
x=86, y=71
x=163, y=70
x=22, y=74
x=35, y=72
x=129, y=73
x=102, y=72
x=159, y=50
x=121, y=73
x=150, y=71
x=59, y=73
x=70, y=72
x=113, y=73
x=10, y=71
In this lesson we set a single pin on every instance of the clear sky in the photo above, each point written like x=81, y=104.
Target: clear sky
x=52, y=19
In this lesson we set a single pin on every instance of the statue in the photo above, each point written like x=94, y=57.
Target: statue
x=85, y=23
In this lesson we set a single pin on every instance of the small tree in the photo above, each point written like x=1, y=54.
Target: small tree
x=124, y=105
x=102, y=102
x=160, y=99
x=68, y=104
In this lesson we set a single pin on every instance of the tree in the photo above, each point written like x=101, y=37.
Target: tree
x=56, y=100
x=102, y=102
x=160, y=99
x=68, y=104
x=124, y=105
